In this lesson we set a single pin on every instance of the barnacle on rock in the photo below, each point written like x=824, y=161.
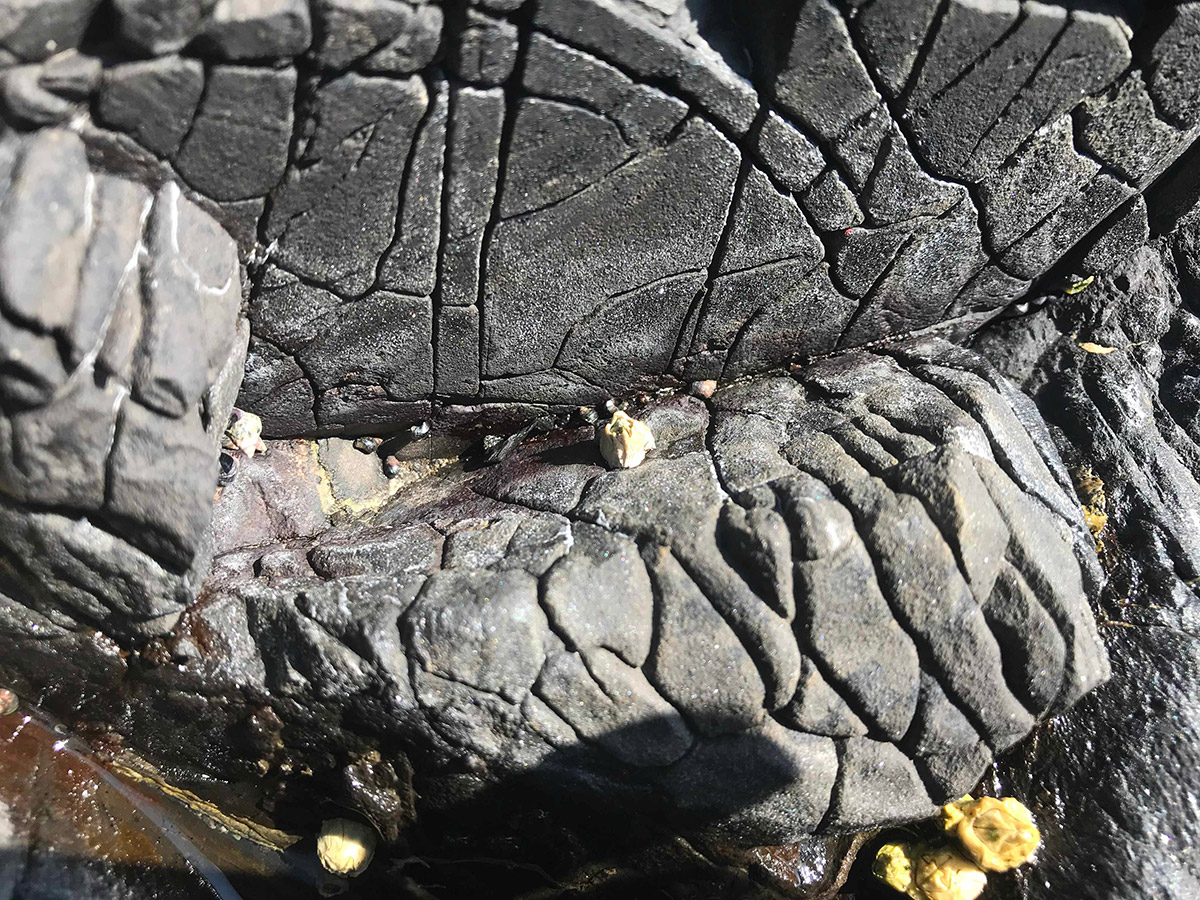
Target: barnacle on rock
x=1090, y=488
x=893, y=866
x=245, y=433
x=942, y=873
x=8, y=702
x=624, y=441
x=929, y=872
x=345, y=846
x=998, y=834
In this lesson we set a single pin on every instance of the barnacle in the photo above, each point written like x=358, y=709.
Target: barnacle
x=1090, y=488
x=928, y=872
x=8, y=702
x=998, y=834
x=942, y=873
x=624, y=441
x=245, y=433
x=345, y=847
x=893, y=866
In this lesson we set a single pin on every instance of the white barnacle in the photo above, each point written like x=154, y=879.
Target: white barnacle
x=345, y=847
x=245, y=433
x=624, y=441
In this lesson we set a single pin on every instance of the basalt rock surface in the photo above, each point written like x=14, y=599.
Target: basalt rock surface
x=855, y=576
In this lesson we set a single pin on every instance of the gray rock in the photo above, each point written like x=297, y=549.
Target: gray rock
x=158, y=27
x=245, y=113
x=610, y=702
x=258, y=29
x=619, y=617
x=482, y=630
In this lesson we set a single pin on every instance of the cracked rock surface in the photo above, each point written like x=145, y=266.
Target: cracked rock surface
x=853, y=579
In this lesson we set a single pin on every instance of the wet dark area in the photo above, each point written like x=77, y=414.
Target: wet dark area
x=75, y=824
x=70, y=828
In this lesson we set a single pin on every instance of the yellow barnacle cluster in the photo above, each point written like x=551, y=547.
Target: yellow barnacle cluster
x=990, y=834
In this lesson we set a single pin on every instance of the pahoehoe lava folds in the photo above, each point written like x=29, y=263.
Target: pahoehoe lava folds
x=848, y=579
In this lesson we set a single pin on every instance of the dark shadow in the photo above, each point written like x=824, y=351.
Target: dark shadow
x=578, y=824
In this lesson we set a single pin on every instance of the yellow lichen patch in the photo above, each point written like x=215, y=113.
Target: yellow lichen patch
x=1098, y=349
x=1081, y=285
x=338, y=498
x=997, y=834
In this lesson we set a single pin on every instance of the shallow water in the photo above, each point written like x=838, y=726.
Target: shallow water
x=71, y=828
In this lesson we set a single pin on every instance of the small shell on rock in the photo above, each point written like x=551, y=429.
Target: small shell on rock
x=942, y=873
x=590, y=415
x=893, y=866
x=391, y=467
x=345, y=846
x=703, y=389
x=245, y=433
x=8, y=702
x=367, y=444
x=998, y=834
x=624, y=441
x=227, y=466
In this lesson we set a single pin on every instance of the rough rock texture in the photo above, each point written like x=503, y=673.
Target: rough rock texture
x=568, y=200
x=1130, y=416
x=834, y=593
x=122, y=356
x=832, y=573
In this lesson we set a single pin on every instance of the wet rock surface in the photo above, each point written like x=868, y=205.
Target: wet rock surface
x=732, y=636
x=1128, y=416
x=853, y=578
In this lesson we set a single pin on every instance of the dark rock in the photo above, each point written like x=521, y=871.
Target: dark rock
x=486, y=51
x=258, y=29
x=34, y=31
x=1173, y=72
x=383, y=338
x=698, y=662
x=826, y=598
x=619, y=619
x=1108, y=123
x=205, y=263
x=245, y=114
x=830, y=204
x=40, y=262
x=608, y=701
x=333, y=216
x=481, y=630
x=158, y=27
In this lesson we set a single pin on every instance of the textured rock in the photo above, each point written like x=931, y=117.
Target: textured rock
x=1118, y=415
x=486, y=215
x=373, y=173
x=113, y=412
